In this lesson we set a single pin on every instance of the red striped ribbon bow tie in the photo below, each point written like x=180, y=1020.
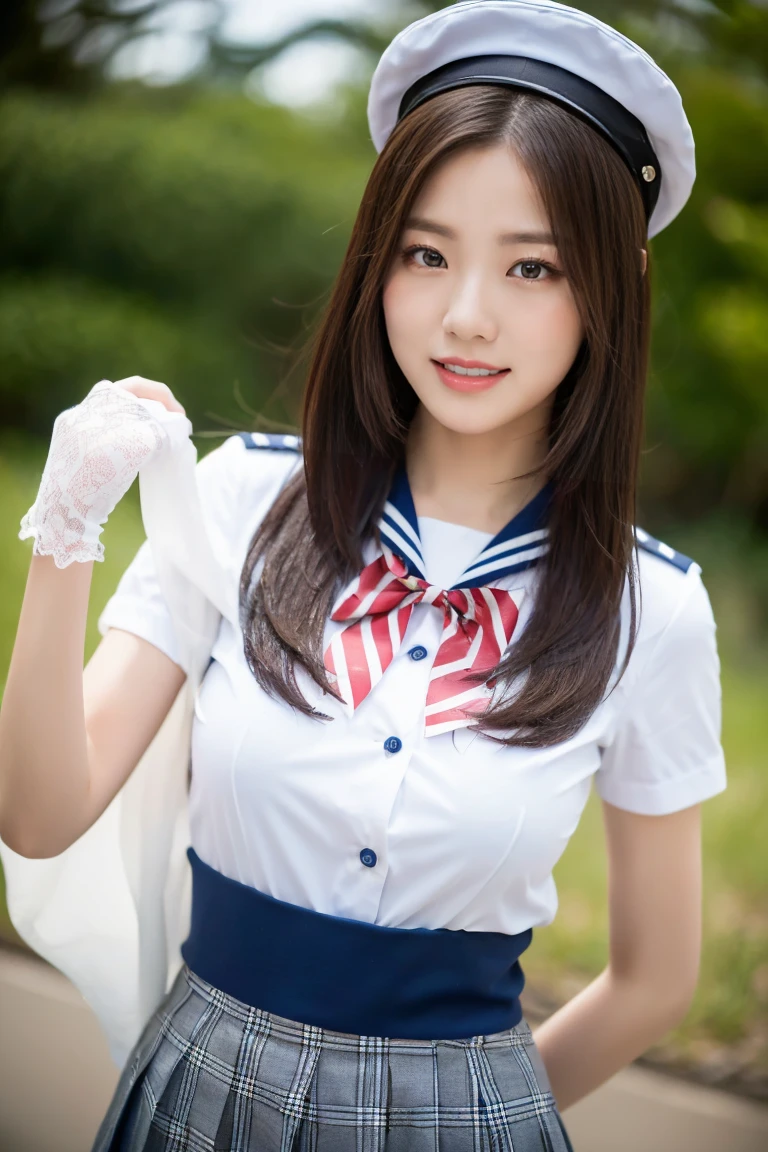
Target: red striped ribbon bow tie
x=477, y=626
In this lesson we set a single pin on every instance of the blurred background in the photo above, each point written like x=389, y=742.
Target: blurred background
x=178, y=180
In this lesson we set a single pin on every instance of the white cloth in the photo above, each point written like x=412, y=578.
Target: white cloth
x=466, y=832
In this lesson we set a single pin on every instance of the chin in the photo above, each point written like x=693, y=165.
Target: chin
x=468, y=426
x=471, y=417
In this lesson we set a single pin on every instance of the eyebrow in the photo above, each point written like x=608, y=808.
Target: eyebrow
x=424, y=225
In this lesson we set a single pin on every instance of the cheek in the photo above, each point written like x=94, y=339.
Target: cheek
x=553, y=329
x=390, y=303
x=405, y=312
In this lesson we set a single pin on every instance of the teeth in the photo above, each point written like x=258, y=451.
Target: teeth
x=472, y=371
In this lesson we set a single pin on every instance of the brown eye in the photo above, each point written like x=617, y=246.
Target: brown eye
x=532, y=270
x=431, y=257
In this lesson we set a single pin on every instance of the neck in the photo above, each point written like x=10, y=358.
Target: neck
x=477, y=480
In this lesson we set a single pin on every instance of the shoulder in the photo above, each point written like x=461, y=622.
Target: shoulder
x=648, y=543
x=666, y=581
x=269, y=441
x=660, y=747
x=244, y=460
x=673, y=607
x=239, y=479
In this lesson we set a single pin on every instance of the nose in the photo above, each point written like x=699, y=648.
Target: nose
x=468, y=315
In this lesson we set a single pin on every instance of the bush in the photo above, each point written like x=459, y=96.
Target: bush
x=189, y=239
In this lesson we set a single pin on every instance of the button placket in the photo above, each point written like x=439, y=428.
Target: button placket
x=393, y=717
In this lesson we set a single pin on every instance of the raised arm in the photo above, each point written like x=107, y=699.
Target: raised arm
x=69, y=738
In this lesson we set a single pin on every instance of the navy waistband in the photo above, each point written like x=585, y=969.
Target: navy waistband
x=347, y=975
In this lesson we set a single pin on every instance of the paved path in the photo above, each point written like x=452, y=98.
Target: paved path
x=56, y=1079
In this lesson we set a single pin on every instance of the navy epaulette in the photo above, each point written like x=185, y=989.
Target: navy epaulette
x=277, y=441
x=651, y=544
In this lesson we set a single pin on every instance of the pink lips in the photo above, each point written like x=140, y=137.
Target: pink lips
x=468, y=383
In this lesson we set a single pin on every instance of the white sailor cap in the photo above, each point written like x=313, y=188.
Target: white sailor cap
x=563, y=53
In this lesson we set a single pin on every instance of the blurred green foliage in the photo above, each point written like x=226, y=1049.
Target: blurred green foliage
x=183, y=236
x=708, y=405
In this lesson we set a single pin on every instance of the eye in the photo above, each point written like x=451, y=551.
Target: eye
x=410, y=253
x=532, y=270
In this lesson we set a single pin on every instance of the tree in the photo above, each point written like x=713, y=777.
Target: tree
x=67, y=44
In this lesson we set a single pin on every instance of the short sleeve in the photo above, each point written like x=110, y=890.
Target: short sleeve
x=665, y=753
x=138, y=606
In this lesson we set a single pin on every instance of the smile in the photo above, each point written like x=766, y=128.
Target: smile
x=462, y=379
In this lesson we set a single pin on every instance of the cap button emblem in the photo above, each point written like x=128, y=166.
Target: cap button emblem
x=649, y=173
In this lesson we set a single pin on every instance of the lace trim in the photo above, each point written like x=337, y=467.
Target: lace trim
x=97, y=449
x=61, y=558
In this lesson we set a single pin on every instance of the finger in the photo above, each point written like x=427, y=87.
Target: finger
x=151, y=390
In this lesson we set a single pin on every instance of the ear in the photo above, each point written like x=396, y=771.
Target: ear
x=644, y=261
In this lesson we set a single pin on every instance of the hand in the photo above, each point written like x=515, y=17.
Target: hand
x=96, y=451
x=149, y=390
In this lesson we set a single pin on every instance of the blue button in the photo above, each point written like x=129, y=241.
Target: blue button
x=417, y=653
x=393, y=744
x=368, y=857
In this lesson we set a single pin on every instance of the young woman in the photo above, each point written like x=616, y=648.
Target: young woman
x=446, y=630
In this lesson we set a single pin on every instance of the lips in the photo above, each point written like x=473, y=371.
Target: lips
x=461, y=383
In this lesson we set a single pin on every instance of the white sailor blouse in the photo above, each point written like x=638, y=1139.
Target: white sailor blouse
x=377, y=816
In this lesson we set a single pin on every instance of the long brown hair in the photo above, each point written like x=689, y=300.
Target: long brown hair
x=358, y=406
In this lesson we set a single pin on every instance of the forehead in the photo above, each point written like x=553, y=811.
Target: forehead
x=482, y=188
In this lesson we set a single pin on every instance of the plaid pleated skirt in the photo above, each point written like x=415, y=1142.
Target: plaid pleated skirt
x=212, y=1074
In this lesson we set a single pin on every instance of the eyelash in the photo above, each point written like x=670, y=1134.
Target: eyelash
x=408, y=252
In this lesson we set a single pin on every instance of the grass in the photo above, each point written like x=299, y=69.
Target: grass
x=726, y=1030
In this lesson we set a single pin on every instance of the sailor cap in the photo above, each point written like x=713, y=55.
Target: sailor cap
x=562, y=53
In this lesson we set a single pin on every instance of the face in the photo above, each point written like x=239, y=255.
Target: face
x=477, y=282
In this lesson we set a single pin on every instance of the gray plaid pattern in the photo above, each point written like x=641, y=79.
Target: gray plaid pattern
x=211, y=1074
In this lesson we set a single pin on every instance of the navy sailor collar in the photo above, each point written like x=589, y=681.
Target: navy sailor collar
x=519, y=544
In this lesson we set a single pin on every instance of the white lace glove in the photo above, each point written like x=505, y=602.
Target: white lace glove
x=96, y=451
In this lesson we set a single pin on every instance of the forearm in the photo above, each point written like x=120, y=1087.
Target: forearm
x=44, y=774
x=600, y=1031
